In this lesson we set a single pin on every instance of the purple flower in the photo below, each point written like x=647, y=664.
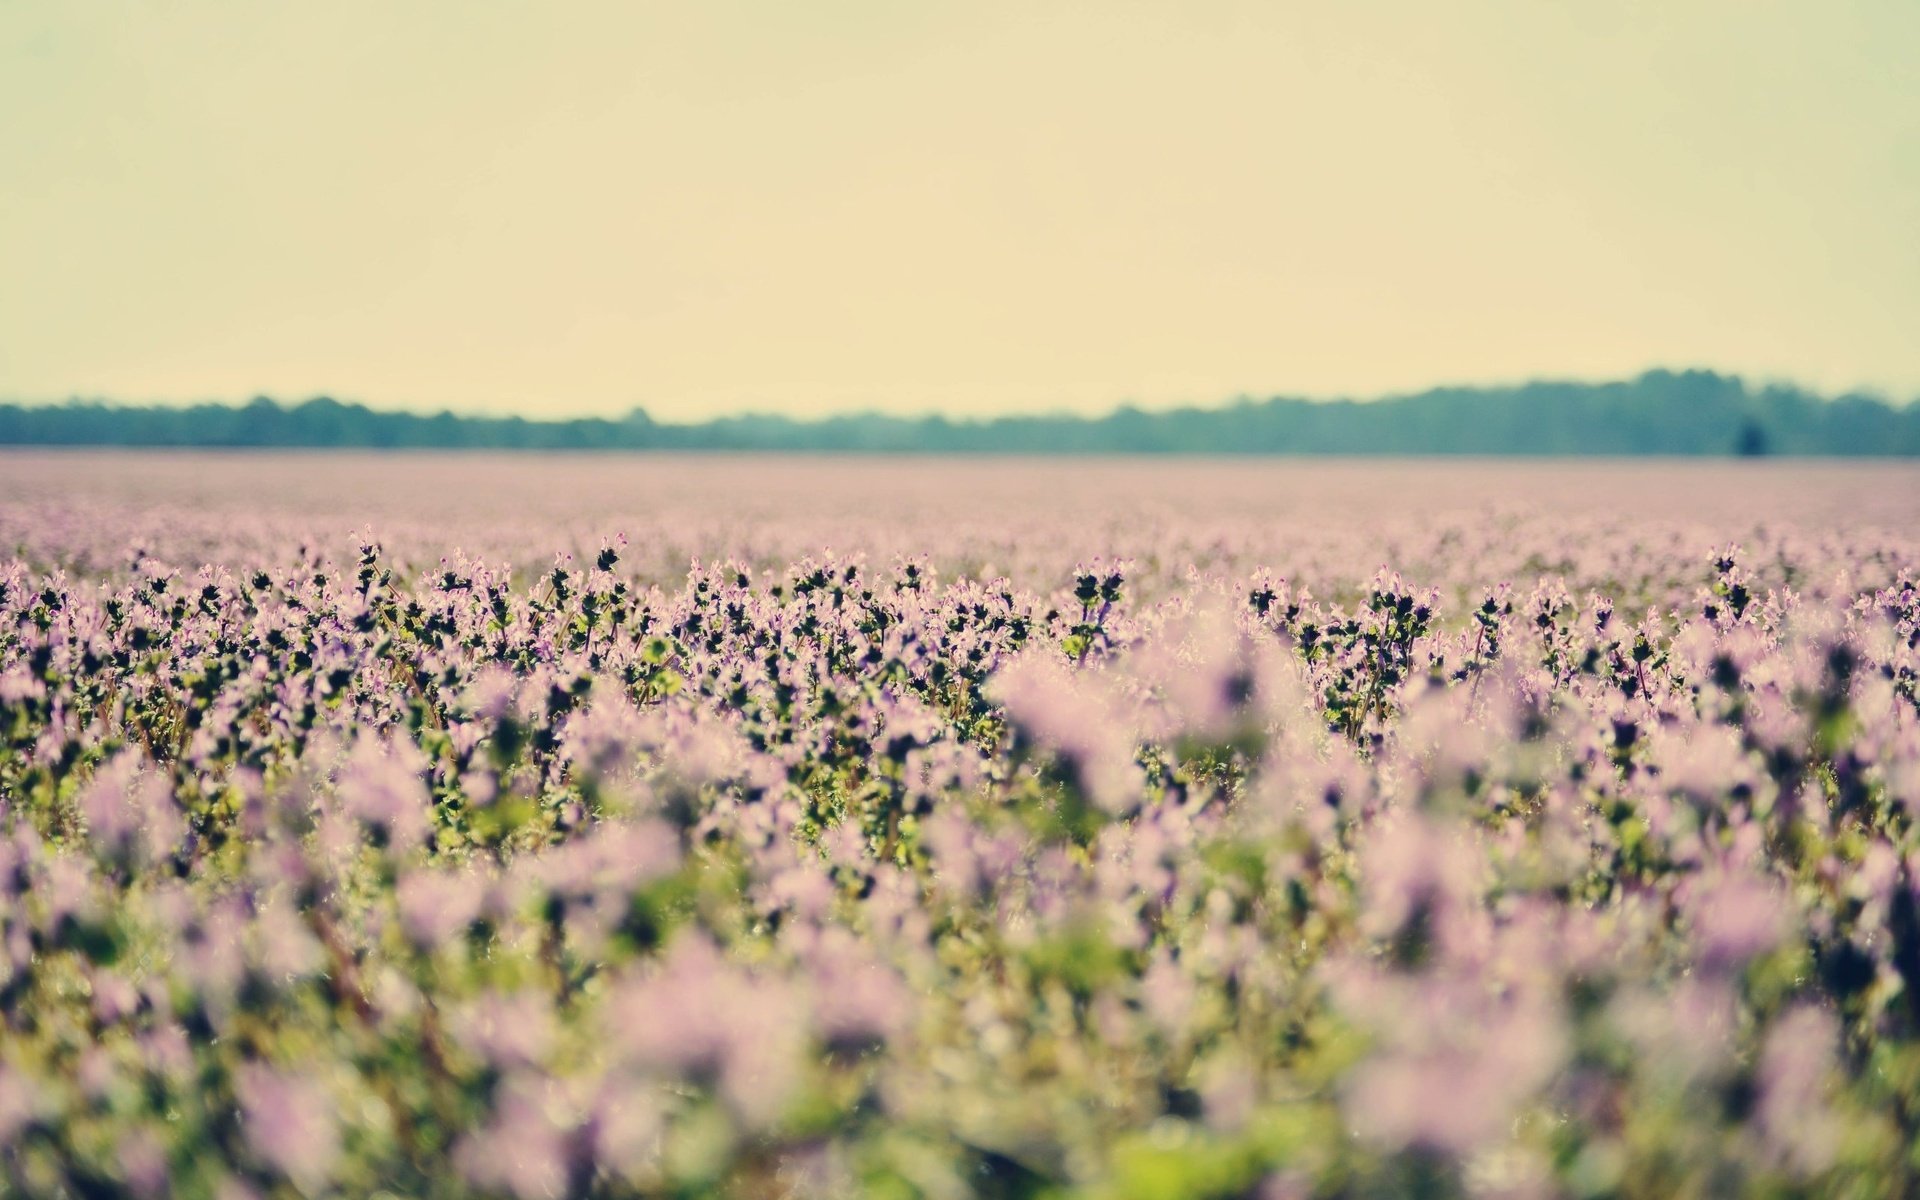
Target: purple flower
x=381, y=786
x=506, y=1030
x=528, y=1150
x=290, y=1125
x=1794, y=1115
x=437, y=905
x=1736, y=918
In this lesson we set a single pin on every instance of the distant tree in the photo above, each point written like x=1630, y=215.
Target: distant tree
x=1661, y=412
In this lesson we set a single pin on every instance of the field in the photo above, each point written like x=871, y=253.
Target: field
x=608, y=826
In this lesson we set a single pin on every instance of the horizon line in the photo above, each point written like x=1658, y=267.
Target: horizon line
x=1752, y=382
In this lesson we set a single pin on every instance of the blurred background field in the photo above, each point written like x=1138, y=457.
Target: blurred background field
x=1335, y=521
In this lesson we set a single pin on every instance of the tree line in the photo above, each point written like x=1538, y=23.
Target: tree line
x=1701, y=413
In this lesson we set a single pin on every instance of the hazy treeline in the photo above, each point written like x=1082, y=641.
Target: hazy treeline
x=1660, y=412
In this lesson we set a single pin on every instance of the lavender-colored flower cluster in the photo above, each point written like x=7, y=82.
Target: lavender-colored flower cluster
x=1182, y=870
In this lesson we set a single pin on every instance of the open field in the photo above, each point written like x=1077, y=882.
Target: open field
x=668, y=826
x=1033, y=517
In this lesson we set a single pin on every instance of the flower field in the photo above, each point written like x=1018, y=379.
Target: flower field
x=591, y=828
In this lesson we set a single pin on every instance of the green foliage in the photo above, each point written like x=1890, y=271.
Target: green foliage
x=1660, y=412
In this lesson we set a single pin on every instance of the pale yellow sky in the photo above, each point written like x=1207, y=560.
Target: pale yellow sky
x=714, y=205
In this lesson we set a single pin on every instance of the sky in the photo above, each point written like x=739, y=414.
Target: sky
x=971, y=208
